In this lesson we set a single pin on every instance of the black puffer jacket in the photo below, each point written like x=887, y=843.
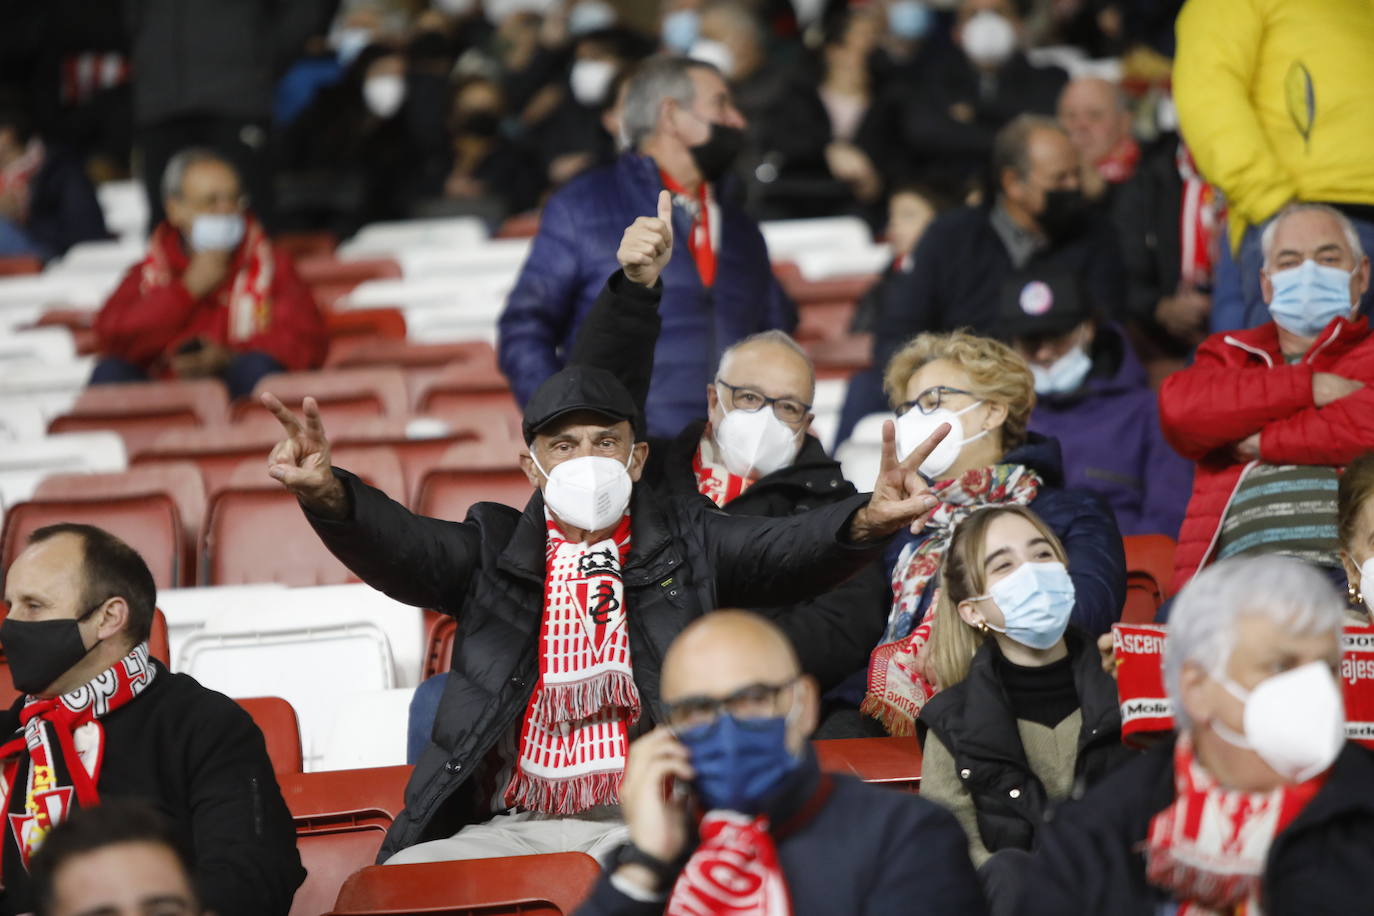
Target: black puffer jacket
x=974, y=720
x=833, y=633
x=686, y=559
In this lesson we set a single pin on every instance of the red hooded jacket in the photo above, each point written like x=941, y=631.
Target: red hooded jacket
x=1239, y=385
x=261, y=305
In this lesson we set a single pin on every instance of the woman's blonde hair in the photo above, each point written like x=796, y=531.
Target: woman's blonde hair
x=1355, y=489
x=953, y=641
x=996, y=371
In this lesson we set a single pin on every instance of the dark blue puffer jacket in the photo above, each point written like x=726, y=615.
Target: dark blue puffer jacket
x=1085, y=526
x=573, y=254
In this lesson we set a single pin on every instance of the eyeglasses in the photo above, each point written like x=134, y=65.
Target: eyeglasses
x=749, y=400
x=756, y=701
x=929, y=401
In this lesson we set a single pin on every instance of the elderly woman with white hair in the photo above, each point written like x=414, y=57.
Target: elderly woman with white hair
x=1259, y=804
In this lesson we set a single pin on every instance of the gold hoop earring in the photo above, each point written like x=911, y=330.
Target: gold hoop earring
x=983, y=627
x=1356, y=598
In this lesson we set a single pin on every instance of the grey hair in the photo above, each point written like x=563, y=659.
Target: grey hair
x=1011, y=148
x=657, y=79
x=777, y=338
x=1352, y=238
x=1202, y=624
x=174, y=175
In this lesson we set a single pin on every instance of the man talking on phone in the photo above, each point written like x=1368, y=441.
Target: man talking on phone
x=729, y=813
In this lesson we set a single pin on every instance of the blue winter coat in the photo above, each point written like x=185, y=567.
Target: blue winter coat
x=1112, y=443
x=1084, y=524
x=573, y=254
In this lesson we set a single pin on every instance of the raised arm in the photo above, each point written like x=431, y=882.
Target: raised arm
x=425, y=562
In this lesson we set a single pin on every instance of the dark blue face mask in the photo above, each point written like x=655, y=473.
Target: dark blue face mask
x=739, y=762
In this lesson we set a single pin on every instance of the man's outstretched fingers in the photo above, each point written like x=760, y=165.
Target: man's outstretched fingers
x=285, y=417
x=665, y=208
x=922, y=452
x=314, y=423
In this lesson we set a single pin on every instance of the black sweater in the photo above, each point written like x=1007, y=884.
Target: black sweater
x=196, y=756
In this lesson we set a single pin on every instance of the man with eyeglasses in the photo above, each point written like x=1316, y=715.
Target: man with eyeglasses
x=728, y=811
x=214, y=298
x=751, y=454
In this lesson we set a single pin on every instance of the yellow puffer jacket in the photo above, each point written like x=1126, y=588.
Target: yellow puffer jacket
x=1276, y=101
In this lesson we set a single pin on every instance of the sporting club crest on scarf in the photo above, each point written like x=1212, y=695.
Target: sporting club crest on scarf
x=714, y=480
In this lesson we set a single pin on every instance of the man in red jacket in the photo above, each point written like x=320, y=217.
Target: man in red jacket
x=1271, y=413
x=214, y=296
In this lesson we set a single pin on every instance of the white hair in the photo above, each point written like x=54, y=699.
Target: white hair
x=174, y=175
x=653, y=81
x=1352, y=238
x=1202, y=625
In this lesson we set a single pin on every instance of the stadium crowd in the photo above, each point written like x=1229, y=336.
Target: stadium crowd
x=1124, y=301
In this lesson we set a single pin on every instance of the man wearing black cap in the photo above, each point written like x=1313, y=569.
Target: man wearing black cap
x=566, y=610
x=1094, y=397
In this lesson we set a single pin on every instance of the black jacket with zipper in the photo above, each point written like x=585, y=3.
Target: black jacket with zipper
x=196, y=756
x=832, y=633
x=686, y=559
x=975, y=721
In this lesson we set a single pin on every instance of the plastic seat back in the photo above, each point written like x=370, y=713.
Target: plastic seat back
x=280, y=730
x=341, y=393
x=546, y=885
x=341, y=818
x=450, y=492
x=1152, y=556
x=140, y=412
x=150, y=523
x=216, y=451
x=891, y=761
x=441, y=631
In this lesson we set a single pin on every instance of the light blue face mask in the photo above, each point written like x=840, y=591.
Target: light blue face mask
x=217, y=231
x=1308, y=296
x=908, y=19
x=680, y=29
x=1065, y=374
x=1036, y=601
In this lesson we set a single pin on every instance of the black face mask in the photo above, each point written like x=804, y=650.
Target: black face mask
x=1064, y=214
x=718, y=153
x=478, y=124
x=41, y=651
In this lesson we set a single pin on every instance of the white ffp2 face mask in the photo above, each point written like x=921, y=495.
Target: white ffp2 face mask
x=756, y=444
x=217, y=231
x=590, y=80
x=384, y=94
x=988, y=38
x=590, y=492
x=1295, y=721
x=915, y=427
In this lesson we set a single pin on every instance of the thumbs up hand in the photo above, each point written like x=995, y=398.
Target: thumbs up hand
x=648, y=244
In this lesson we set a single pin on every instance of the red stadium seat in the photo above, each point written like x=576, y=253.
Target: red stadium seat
x=256, y=532
x=361, y=351
x=449, y=492
x=834, y=289
x=19, y=265
x=150, y=523
x=341, y=393
x=341, y=818
x=519, y=226
x=1151, y=555
x=328, y=270
x=891, y=761
x=181, y=481
x=217, y=451
x=842, y=357
x=418, y=454
x=547, y=885
x=440, y=632
x=78, y=321
x=280, y=730
x=460, y=387
x=825, y=320
x=142, y=411
x=303, y=245
x=364, y=324
x=157, y=648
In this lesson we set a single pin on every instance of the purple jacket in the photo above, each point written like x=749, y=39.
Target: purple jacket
x=1112, y=443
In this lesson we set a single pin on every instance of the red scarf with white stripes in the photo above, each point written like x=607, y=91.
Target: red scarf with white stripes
x=714, y=480
x=576, y=729
x=247, y=298
x=1201, y=216
x=1210, y=846
x=734, y=870
x=52, y=766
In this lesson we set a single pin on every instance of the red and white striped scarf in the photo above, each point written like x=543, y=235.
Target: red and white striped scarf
x=248, y=298
x=16, y=177
x=1201, y=216
x=1209, y=847
x=575, y=734
x=714, y=480
x=734, y=870
x=59, y=749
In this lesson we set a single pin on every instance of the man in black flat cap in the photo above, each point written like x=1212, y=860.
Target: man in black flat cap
x=565, y=610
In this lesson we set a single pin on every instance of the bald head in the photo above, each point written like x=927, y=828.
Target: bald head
x=1096, y=116
x=722, y=652
x=771, y=364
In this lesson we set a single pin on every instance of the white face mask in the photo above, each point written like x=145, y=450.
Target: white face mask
x=384, y=94
x=1367, y=583
x=1063, y=375
x=217, y=231
x=1295, y=721
x=915, y=427
x=756, y=444
x=590, y=79
x=714, y=53
x=590, y=16
x=988, y=38
x=590, y=492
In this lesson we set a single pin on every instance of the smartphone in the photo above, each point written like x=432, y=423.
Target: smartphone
x=194, y=345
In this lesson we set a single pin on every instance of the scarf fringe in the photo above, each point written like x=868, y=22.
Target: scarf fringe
x=564, y=796
x=586, y=698
x=898, y=724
